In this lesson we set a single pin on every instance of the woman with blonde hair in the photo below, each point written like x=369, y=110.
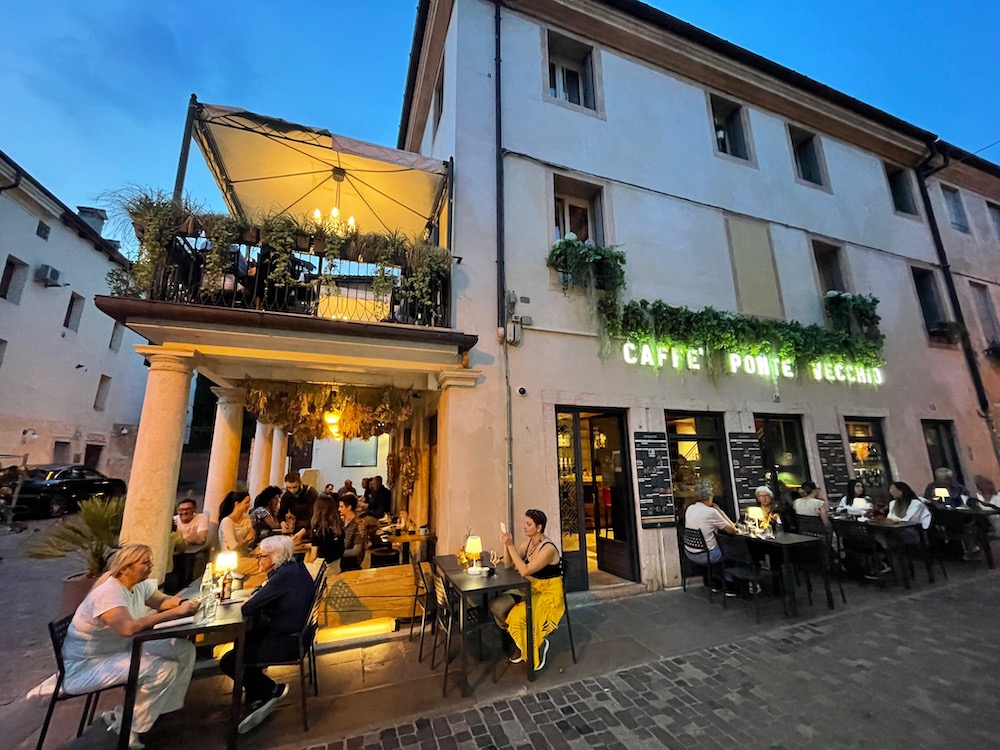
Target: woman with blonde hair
x=98, y=647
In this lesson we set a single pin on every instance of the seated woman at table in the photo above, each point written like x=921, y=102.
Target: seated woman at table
x=986, y=493
x=812, y=503
x=236, y=530
x=855, y=497
x=906, y=506
x=327, y=528
x=537, y=559
x=264, y=516
x=98, y=646
x=765, y=499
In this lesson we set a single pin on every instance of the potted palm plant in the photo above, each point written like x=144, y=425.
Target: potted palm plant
x=90, y=535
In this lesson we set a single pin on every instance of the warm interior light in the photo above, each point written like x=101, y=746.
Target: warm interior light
x=350, y=222
x=335, y=213
x=331, y=417
x=473, y=549
x=318, y=216
x=367, y=628
x=226, y=561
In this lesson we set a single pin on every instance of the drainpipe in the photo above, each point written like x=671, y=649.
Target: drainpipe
x=924, y=171
x=18, y=174
x=501, y=266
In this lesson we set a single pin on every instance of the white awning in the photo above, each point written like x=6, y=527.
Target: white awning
x=266, y=166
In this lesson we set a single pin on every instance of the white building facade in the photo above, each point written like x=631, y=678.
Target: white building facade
x=71, y=386
x=729, y=182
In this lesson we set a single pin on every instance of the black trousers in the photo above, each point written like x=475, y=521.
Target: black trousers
x=257, y=686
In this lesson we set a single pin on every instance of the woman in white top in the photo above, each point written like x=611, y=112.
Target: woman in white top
x=812, y=503
x=235, y=527
x=856, y=496
x=906, y=506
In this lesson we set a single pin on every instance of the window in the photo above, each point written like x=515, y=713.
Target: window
x=901, y=189
x=956, y=211
x=869, y=456
x=360, y=453
x=74, y=311
x=929, y=298
x=753, y=268
x=939, y=437
x=571, y=71
x=730, y=133
x=61, y=452
x=697, y=445
x=784, y=450
x=15, y=275
x=577, y=209
x=808, y=161
x=3, y=350
x=116, y=337
x=439, y=99
x=101, y=399
x=43, y=230
x=828, y=265
x=994, y=212
x=987, y=313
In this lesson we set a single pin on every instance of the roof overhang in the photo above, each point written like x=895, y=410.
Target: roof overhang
x=230, y=345
x=266, y=166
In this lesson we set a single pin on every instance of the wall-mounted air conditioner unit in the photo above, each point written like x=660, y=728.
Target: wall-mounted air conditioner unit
x=47, y=275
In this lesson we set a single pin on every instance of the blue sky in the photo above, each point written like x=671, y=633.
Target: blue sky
x=94, y=94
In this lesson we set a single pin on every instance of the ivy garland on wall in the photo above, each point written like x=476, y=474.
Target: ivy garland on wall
x=854, y=336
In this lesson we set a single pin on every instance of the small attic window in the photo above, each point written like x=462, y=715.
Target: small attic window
x=43, y=230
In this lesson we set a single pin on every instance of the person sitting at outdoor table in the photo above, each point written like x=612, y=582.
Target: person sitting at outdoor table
x=98, y=648
x=538, y=560
x=290, y=523
x=347, y=489
x=855, y=497
x=708, y=518
x=378, y=497
x=765, y=500
x=906, y=506
x=354, y=534
x=986, y=493
x=190, y=554
x=279, y=610
x=236, y=530
x=944, y=479
x=327, y=528
x=812, y=503
x=264, y=516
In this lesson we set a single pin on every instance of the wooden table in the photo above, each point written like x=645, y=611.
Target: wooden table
x=474, y=586
x=227, y=625
x=980, y=515
x=784, y=542
x=405, y=540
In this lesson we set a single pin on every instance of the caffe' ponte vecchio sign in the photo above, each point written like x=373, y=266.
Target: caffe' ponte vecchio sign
x=762, y=365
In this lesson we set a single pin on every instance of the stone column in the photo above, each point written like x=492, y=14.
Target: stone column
x=260, y=458
x=279, y=457
x=152, y=486
x=224, y=459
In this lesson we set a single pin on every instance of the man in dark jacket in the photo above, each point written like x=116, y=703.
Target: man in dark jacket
x=379, y=498
x=299, y=499
x=280, y=609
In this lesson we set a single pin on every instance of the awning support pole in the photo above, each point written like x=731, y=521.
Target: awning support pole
x=185, y=149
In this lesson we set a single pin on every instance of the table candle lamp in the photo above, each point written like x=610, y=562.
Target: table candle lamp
x=473, y=549
x=226, y=562
x=756, y=514
x=941, y=494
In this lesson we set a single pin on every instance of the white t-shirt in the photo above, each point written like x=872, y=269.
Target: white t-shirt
x=707, y=520
x=915, y=511
x=196, y=527
x=236, y=536
x=808, y=506
x=88, y=636
x=855, y=502
x=995, y=500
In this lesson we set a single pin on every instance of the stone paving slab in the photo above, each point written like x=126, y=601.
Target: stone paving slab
x=917, y=671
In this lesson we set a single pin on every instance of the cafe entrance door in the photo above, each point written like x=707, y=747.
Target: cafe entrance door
x=596, y=506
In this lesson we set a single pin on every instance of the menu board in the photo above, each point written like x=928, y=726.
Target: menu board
x=656, y=490
x=833, y=461
x=748, y=467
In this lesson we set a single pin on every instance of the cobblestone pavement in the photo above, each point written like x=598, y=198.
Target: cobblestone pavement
x=918, y=671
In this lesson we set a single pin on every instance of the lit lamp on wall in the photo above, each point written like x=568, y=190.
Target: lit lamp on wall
x=473, y=549
x=332, y=419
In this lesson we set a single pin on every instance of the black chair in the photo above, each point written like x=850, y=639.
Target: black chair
x=857, y=539
x=813, y=526
x=739, y=564
x=694, y=539
x=446, y=608
x=930, y=551
x=57, y=632
x=423, y=597
x=569, y=624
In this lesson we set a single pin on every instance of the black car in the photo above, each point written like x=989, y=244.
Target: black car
x=54, y=489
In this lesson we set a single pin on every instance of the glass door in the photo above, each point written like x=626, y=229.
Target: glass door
x=784, y=451
x=597, y=509
x=698, y=454
x=868, y=455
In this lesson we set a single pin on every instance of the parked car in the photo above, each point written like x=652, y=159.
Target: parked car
x=54, y=489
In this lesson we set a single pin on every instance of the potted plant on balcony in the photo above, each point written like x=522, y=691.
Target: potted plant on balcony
x=90, y=535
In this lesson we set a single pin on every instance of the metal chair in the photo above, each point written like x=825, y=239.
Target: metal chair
x=423, y=597
x=931, y=550
x=856, y=538
x=813, y=526
x=569, y=624
x=57, y=632
x=694, y=539
x=446, y=607
x=739, y=564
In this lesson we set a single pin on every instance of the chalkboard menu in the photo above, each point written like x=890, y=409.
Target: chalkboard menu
x=833, y=461
x=748, y=467
x=656, y=490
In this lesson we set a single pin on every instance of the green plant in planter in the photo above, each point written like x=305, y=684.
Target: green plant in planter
x=222, y=231
x=278, y=231
x=599, y=272
x=90, y=535
x=425, y=264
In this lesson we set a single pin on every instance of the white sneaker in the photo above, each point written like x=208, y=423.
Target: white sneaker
x=542, y=655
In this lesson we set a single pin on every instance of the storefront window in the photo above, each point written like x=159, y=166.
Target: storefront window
x=784, y=451
x=698, y=454
x=940, y=439
x=869, y=457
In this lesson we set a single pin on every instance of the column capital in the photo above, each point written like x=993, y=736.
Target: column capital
x=229, y=395
x=458, y=378
x=172, y=360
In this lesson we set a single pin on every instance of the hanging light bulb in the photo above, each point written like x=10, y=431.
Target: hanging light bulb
x=350, y=222
x=318, y=216
x=334, y=213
